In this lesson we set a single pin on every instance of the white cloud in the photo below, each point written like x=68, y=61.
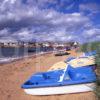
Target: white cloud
x=70, y=6
x=4, y=32
x=10, y=1
x=8, y=39
x=92, y=7
x=92, y=32
x=24, y=34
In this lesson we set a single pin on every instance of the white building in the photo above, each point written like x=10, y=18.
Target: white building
x=9, y=42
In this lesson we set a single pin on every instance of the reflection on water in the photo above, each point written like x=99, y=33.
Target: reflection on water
x=11, y=53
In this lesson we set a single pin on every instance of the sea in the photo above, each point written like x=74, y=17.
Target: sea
x=8, y=54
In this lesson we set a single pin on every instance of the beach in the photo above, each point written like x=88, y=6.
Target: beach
x=14, y=74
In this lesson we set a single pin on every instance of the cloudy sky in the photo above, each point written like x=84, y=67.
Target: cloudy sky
x=50, y=20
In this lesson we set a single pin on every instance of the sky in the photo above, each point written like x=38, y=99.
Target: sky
x=50, y=20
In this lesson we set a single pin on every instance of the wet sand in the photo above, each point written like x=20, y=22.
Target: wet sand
x=13, y=75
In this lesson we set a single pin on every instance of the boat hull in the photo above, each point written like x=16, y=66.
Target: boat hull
x=61, y=89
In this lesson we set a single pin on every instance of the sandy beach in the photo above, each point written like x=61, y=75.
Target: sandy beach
x=13, y=75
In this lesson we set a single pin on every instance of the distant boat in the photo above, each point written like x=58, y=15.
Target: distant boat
x=69, y=80
x=30, y=50
x=61, y=53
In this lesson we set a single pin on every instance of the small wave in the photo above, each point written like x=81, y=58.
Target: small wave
x=5, y=60
x=9, y=59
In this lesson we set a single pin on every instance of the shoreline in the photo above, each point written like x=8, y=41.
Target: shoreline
x=13, y=59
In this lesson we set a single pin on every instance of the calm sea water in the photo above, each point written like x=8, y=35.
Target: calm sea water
x=22, y=51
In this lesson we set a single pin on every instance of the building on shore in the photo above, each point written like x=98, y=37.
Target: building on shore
x=1, y=44
x=39, y=44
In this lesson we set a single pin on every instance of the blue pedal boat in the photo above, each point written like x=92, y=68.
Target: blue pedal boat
x=70, y=80
x=91, y=53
